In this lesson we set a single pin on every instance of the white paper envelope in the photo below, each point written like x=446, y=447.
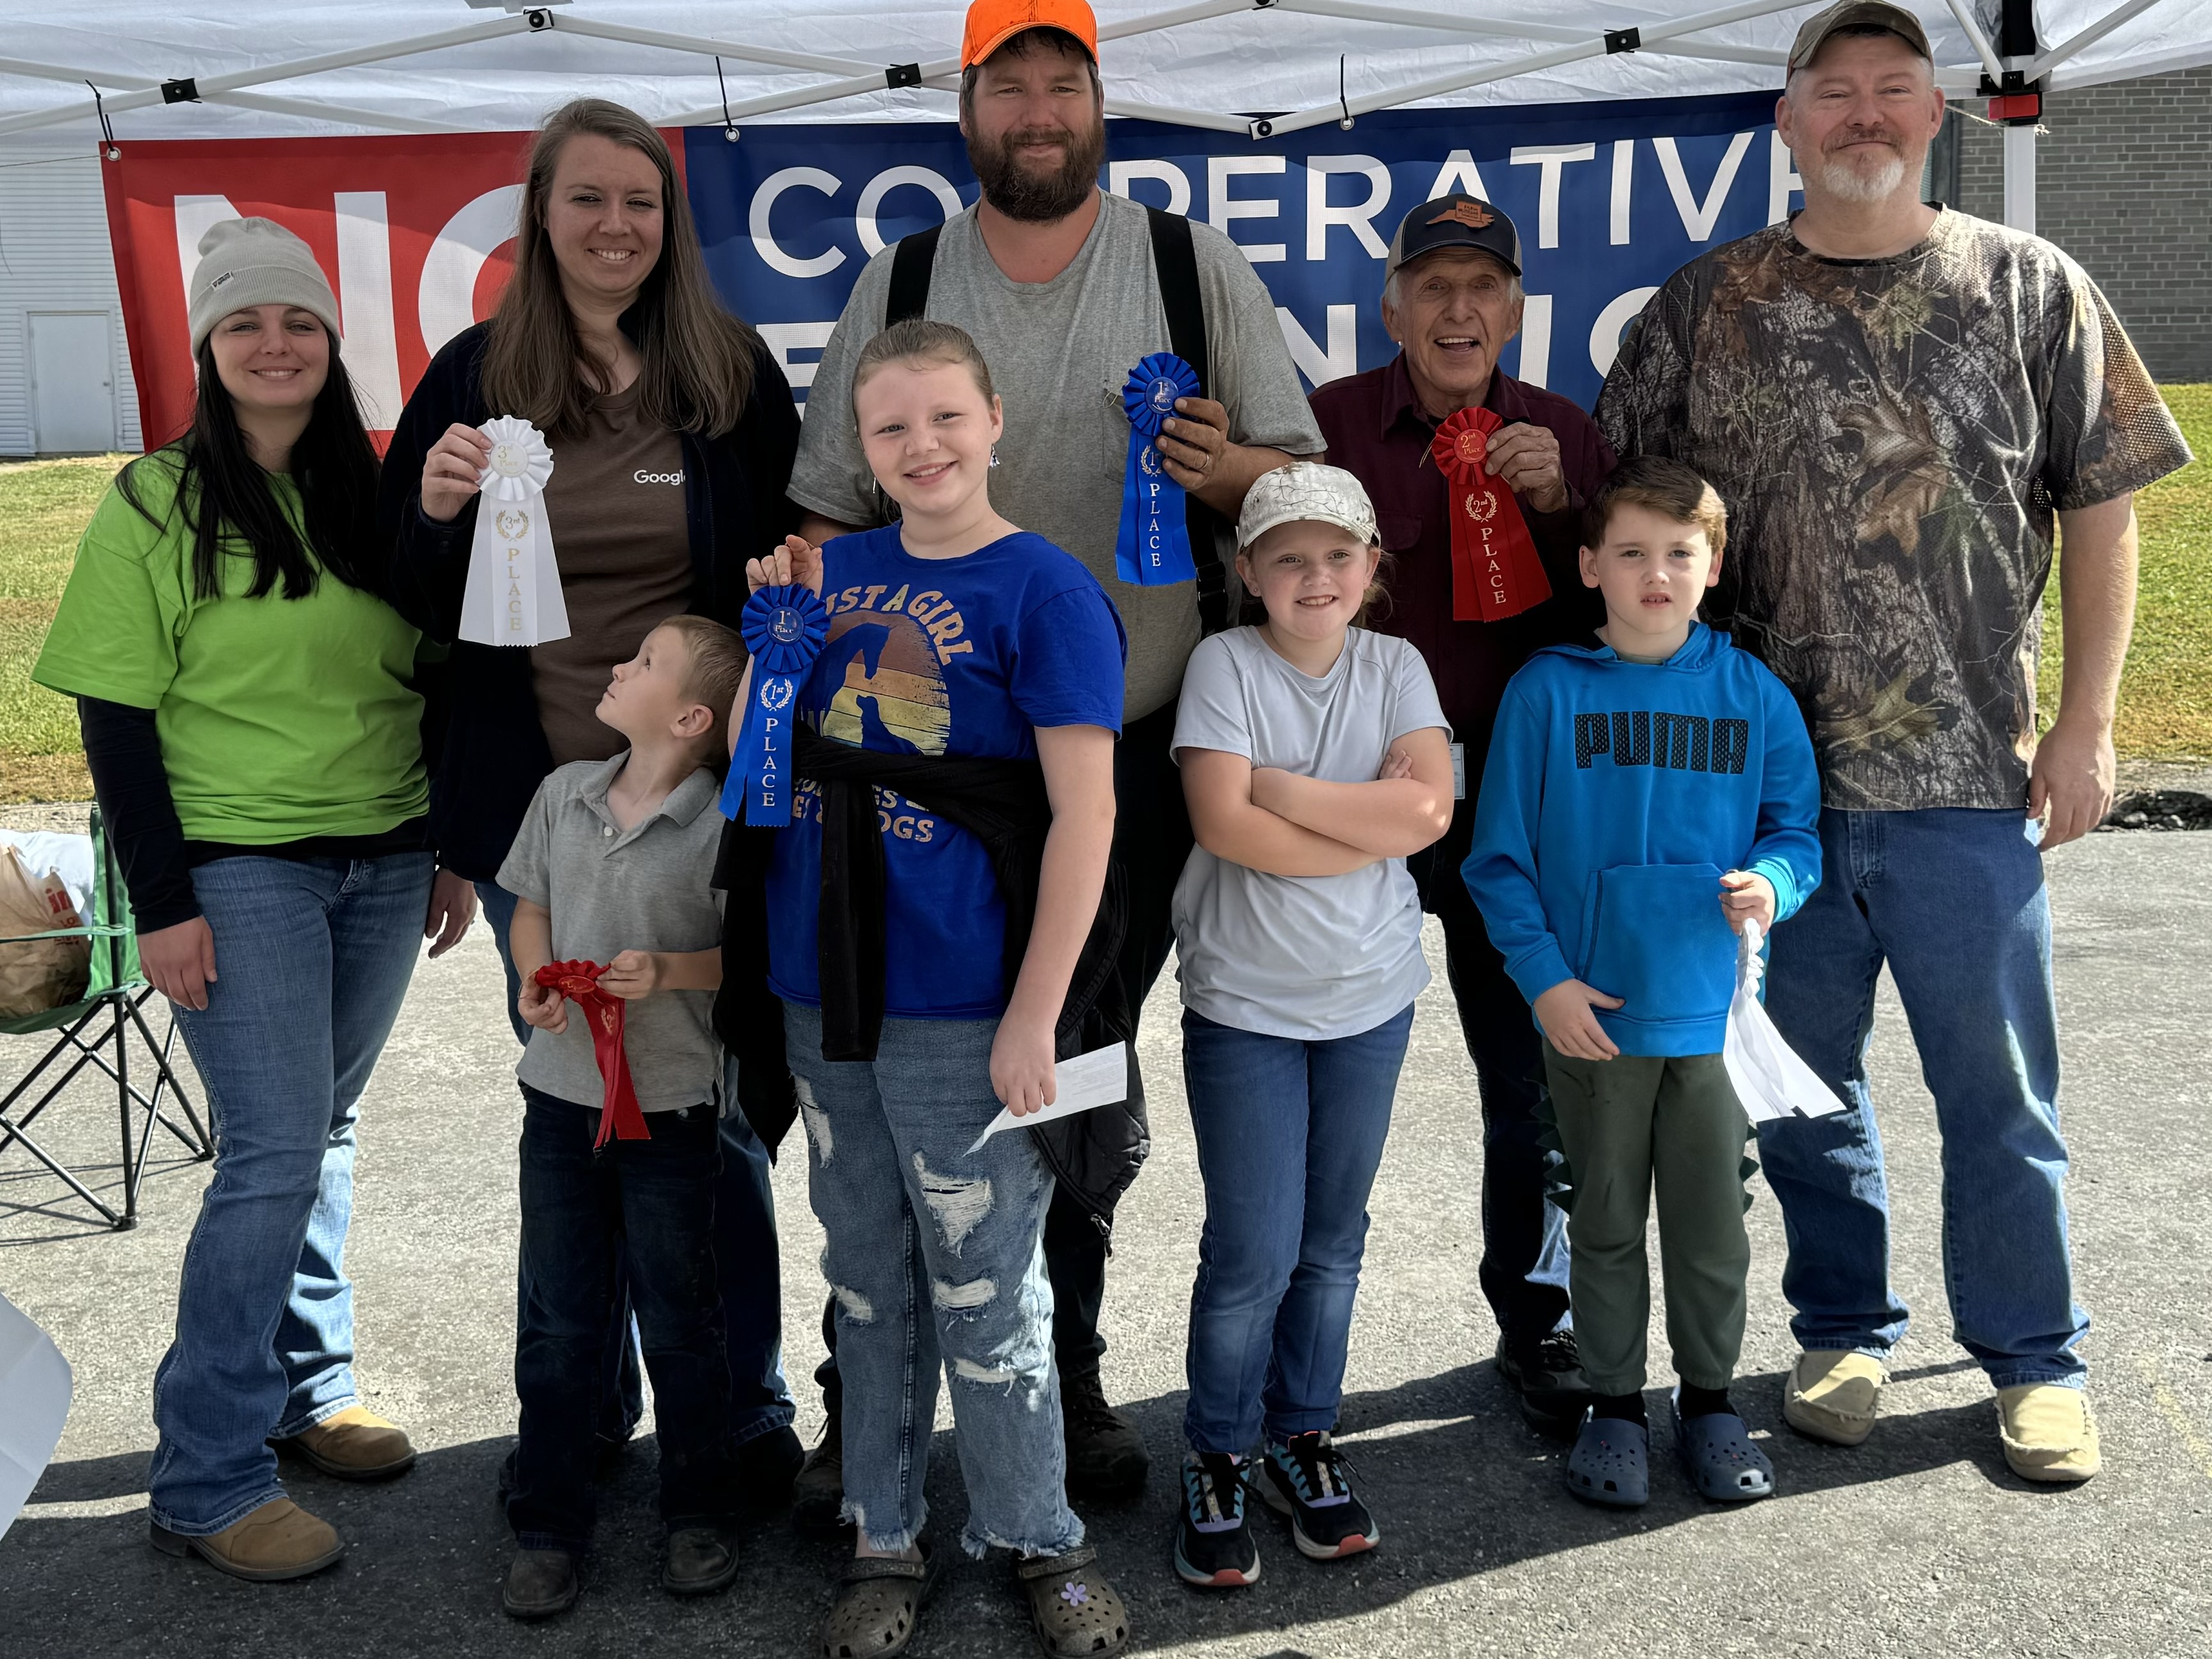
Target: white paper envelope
x=1100, y=1078
x=34, y=1401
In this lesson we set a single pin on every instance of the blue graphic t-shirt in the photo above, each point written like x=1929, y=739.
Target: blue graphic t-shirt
x=938, y=657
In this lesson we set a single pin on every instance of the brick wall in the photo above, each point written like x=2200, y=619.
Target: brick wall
x=2123, y=182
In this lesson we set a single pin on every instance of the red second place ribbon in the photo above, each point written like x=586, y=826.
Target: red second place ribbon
x=619, y=1112
x=1496, y=571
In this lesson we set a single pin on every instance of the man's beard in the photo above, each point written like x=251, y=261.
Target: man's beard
x=1847, y=183
x=1032, y=197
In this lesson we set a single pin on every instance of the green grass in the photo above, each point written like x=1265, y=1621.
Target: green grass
x=2166, y=694
x=2166, y=699
x=44, y=507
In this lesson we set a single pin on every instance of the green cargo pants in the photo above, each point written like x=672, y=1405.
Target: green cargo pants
x=1624, y=1123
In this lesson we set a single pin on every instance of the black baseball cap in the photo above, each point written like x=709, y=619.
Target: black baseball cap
x=1455, y=222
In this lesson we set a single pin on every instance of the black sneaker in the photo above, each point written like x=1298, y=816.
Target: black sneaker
x=1106, y=1455
x=1309, y=1480
x=1546, y=1377
x=1214, y=1548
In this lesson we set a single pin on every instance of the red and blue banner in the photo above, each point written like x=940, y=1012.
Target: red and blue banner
x=415, y=232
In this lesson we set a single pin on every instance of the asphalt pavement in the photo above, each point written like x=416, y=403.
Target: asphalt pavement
x=1919, y=1543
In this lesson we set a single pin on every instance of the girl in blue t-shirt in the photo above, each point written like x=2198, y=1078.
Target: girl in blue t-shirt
x=951, y=632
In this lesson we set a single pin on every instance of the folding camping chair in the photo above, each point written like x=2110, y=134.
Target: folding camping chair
x=113, y=1010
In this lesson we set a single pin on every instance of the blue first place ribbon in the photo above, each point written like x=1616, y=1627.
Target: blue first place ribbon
x=1153, y=547
x=784, y=627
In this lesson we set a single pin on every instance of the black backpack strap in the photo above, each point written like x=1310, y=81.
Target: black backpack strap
x=912, y=262
x=1174, y=263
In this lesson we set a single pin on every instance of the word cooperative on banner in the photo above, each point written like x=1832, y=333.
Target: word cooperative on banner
x=416, y=233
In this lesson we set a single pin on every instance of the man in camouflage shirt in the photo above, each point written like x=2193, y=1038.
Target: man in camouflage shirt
x=1897, y=402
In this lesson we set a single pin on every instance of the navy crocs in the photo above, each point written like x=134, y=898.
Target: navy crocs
x=1610, y=1464
x=1719, y=1457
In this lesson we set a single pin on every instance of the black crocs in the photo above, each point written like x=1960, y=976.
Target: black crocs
x=878, y=1606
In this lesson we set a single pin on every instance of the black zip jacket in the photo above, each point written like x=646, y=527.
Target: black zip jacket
x=1095, y=1155
x=494, y=749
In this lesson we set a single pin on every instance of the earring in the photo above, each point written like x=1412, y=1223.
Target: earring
x=994, y=454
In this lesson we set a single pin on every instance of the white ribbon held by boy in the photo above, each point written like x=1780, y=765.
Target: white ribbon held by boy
x=513, y=591
x=1770, y=1079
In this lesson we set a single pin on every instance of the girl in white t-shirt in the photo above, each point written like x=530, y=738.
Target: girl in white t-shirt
x=1314, y=757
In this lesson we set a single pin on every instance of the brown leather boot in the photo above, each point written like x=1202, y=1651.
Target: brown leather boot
x=278, y=1541
x=356, y=1444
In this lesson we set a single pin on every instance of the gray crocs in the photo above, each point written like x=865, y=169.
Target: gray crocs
x=1720, y=1459
x=879, y=1603
x=1611, y=1463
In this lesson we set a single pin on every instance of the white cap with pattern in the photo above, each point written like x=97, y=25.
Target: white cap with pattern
x=1305, y=490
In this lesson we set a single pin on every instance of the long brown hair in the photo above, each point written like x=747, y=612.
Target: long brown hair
x=698, y=358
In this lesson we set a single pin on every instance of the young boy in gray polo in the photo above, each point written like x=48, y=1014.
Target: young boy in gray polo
x=612, y=868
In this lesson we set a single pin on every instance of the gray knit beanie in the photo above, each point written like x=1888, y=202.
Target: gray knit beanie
x=256, y=262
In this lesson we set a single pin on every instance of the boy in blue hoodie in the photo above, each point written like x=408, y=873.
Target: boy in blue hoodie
x=1643, y=798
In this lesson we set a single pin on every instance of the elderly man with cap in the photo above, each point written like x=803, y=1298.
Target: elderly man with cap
x=1897, y=402
x=1066, y=290
x=1452, y=299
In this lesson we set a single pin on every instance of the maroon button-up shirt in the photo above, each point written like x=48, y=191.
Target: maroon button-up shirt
x=1375, y=429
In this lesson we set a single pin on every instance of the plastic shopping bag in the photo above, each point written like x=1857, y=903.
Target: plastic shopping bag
x=34, y=1401
x=38, y=973
x=1770, y=1079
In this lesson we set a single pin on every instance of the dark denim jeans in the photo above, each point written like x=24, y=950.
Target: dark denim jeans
x=314, y=957
x=1953, y=901
x=1290, y=1135
x=652, y=1201
x=745, y=1230
x=1524, y=1237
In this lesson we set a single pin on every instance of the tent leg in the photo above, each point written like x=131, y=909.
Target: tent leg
x=2020, y=178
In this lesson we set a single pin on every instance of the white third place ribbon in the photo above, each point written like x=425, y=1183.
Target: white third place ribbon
x=514, y=591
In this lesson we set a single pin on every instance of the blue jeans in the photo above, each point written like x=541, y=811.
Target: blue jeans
x=745, y=1232
x=1290, y=1135
x=654, y=1201
x=1953, y=901
x=889, y=1140
x=313, y=958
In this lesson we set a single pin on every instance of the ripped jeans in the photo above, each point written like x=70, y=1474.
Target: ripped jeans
x=936, y=1261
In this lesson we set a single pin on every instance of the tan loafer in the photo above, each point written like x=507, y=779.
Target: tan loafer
x=1831, y=1395
x=356, y=1444
x=2049, y=1432
x=278, y=1541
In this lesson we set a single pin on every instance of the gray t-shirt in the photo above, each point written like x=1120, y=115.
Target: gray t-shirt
x=609, y=889
x=1308, y=957
x=1059, y=353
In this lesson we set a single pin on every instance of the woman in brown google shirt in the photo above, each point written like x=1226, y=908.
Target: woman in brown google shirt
x=673, y=432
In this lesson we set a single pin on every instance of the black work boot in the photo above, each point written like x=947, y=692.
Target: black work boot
x=1106, y=1456
x=818, y=1496
x=1546, y=1377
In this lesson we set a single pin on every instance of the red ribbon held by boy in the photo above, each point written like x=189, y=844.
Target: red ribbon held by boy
x=579, y=981
x=1496, y=571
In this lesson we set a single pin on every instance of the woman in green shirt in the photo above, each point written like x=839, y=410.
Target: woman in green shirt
x=255, y=741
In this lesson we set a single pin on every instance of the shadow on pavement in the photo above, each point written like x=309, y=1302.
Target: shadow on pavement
x=1462, y=1489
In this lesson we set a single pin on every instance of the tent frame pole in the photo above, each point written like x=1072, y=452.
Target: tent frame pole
x=2088, y=37
x=1358, y=11
x=1448, y=84
x=34, y=71
x=213, y=84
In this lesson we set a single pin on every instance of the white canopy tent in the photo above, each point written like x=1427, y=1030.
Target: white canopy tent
x=155, y=69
